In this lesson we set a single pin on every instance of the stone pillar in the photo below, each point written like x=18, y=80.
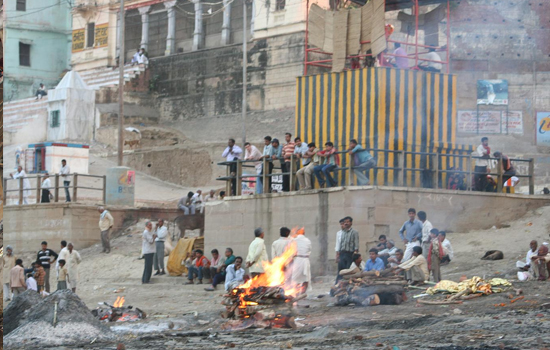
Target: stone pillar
x=252, y=19
x=171, y=38
x=226, y=26
x=198, y=34
x=144, y=11
x=118, y=35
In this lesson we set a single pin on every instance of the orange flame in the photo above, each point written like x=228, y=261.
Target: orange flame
x=274, y=274
x=119, y=302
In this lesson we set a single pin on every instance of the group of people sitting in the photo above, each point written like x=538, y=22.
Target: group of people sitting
x=312, y=160
x=537, y=263
x=426, y=250
x=195, y=201
x=225, y=269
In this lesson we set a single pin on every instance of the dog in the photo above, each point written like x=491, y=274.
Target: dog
x=493, y=255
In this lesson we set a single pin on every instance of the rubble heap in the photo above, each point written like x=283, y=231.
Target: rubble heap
x=17, y=309
x=369, y=289
x=60, y=319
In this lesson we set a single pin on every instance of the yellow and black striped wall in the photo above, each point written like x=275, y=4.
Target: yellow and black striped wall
x=383, y=108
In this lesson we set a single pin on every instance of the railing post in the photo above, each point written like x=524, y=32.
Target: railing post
x=56, y=192
x=469, y=180
x=265, y=181
x=21, y=191
x=228, y=182
x=38, y=197
x=239, y=175
x=350, y=173
x=104, y=189
x=401, y=165
x=5, y=190
x=292, y=173
x=436, y=171
x=499, y=172
x=532, y=176
x=75, y=187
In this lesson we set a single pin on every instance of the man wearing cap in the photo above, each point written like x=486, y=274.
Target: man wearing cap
x=257, y=254
x=106, y=222
x=347, y=243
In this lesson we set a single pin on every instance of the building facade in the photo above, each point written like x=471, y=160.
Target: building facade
x=37, y=42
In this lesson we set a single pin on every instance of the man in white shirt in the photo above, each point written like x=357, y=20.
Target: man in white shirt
x=211, y=197
x=357, y=265
x=533, y=251
x=31, y=283
x=63, y=253
x=482, y=164
x=279, y=246
x=158, y=259
x=232, y=153
x=148, y=249
x=73, y=260
x=26, y=184
x=301, y=266
x=198, y=200
x=447, y=248
x=257, y=254
x=430, y=66
x=64, y=172
x=426, y=228
x=310, y=159
x=46, y=185
x=234, y=274
x=136, y=58
x=253, y=153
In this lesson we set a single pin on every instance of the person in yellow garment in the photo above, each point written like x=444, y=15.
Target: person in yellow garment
x=8, y=264
x=257, y=254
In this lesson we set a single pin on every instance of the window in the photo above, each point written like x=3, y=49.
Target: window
x=21, y=5
x=24, y=54
x=280, y=5
x=55, y=119
x=90, y=35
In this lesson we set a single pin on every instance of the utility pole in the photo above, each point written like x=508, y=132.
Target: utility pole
x=121, y=60
x=245, y=64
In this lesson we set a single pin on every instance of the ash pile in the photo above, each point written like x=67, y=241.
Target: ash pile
x=59, y=319
x=369, y=289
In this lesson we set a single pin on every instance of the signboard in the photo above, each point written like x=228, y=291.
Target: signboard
x=78, y=40
x=492, y=92
x=543, y=129
x=101, y=35
x=490, y=122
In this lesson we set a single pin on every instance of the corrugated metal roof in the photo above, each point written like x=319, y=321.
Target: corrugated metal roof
x=392, y=5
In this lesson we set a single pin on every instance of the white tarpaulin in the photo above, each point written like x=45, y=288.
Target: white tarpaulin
x=490, y=122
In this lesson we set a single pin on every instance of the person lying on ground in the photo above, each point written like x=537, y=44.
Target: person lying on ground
x=416, y=267
x=235, y=275
x=374, y=263
x=357, y=265
x=447, y=248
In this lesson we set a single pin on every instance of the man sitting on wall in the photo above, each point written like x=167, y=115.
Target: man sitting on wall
x=329, y=161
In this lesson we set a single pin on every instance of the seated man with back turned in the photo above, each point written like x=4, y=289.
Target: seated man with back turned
x=363, y=162
x=357, y=265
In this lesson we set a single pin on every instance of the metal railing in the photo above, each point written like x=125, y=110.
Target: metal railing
x=73, y=188
x=432, y=160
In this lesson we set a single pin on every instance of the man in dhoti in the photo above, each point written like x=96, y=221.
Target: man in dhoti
x=416, y=267
x=301, y=268
x=411, y=233
x=73, y=260
x=21, y=174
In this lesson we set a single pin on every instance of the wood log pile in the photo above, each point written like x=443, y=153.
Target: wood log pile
x=260, y=307
x=369, y=289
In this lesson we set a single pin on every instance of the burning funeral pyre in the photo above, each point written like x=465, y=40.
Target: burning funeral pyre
x=369, y=289
x=265, y=300
x=118, y=312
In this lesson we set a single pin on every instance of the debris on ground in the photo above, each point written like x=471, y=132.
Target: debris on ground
x=474, y=285
x=60, y=319
x=16, y=311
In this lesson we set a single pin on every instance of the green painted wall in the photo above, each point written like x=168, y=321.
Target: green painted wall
x=46, y=26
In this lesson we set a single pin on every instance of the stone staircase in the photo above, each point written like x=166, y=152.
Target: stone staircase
x=108, y=77
x=19, y=113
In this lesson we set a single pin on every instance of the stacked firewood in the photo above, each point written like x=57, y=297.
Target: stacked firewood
x=267, y=306
x=368, y=289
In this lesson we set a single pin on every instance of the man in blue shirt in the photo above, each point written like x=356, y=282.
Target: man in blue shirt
x=413, y=234
x=374, y=263
x=362, y=161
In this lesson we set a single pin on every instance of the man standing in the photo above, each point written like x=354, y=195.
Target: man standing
x=480, y=170
x=17, y=278
x=148, y=249
x=413, y=229
x=301, y=268
x=346, y=245
x=448, y=254
x=417, y=267
x=278, y=247
x=235, y=275
x=426, y=229
x=162, y=233
x=232, y=153
x=253, y=153
x=288, y=151
x=45, y=256
x=8, y=264
x=73, y=260
x=257, y=254
x=64, y=172
x=221, y=271
x=62, y=255
x=363, y=162
x=40, y=276
x=106, y=222
x=267, y=153
x=26, y=184
x=329, y=161
x=46, y=186
x=507, y=167
x=374, y=263
x=435, y=254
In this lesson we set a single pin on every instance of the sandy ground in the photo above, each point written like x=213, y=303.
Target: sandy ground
x=476, y=324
